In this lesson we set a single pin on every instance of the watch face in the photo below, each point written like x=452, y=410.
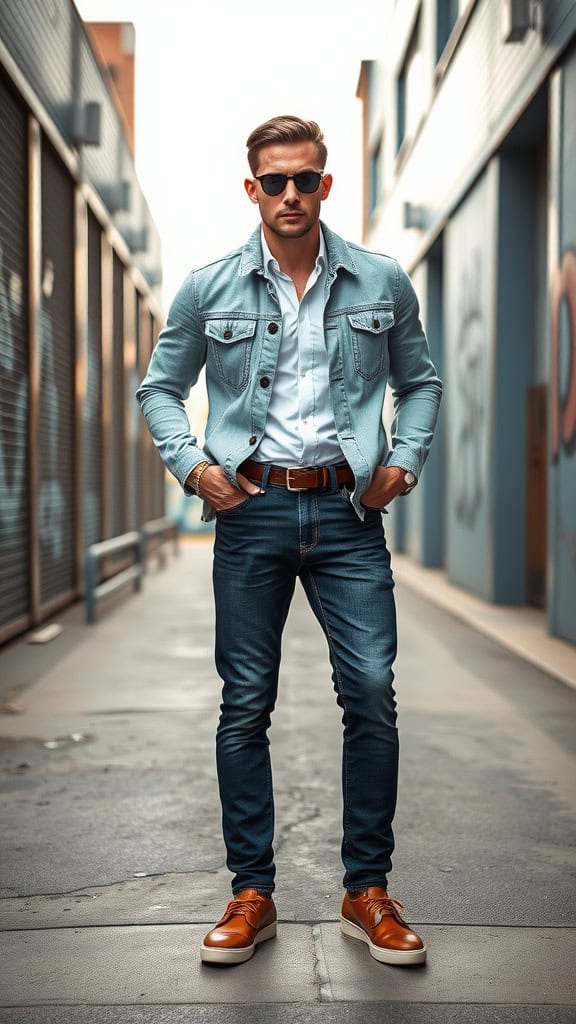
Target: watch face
x=409, y=479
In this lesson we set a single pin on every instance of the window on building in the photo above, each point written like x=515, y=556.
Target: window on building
x=447, y=14
x=375, y=176
x=411, y=87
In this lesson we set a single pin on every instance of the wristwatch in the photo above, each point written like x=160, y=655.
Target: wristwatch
x=195, y=475
x=410, y=481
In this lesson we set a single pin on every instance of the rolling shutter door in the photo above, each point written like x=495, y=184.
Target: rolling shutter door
x=56, y=399
x=14, y=381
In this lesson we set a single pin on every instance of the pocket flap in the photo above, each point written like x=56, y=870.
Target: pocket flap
x=375, y=321
x=228, y=331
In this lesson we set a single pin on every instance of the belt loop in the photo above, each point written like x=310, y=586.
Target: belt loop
x=332, y=477
x=265, y=475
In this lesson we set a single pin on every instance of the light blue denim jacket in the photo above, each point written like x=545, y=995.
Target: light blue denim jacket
x=226, y=317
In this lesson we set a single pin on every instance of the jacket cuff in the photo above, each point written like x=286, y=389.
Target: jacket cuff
x=185, y=467
x=403, y=458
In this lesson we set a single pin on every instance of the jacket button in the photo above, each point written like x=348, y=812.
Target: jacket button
x=376, y=324
x=227, y=335
x=272, y=328
x=253, y=439
x=264, y=382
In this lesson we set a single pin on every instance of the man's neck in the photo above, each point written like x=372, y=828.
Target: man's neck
x=296, y=256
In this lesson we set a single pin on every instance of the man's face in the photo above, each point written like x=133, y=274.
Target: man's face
x=292, y=214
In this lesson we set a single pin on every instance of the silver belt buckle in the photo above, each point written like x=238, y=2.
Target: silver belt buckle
x=289, y=486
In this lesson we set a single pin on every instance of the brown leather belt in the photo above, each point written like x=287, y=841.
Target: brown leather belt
x=296, y=478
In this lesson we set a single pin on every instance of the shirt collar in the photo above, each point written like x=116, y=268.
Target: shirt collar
x=271, y=265
x=338, y=254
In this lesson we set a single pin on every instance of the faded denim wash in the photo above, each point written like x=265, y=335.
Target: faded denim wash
x=227, y=317
x=261, y=548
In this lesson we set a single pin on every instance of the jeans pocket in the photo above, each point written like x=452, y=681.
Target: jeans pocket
x=237, y=508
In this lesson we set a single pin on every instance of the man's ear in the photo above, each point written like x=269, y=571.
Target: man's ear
x=326, y=186
x=250, y=187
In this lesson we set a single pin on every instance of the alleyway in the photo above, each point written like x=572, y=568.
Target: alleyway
x=113, y=865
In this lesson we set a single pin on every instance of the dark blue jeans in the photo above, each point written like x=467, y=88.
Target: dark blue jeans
x=344, y=566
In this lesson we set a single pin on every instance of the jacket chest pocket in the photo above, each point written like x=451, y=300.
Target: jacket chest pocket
x=230, y=342
x=369, y=331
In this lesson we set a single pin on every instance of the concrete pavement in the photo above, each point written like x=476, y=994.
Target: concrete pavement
x=113, y=864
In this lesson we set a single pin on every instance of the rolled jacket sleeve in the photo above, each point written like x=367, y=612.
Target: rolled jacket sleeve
x=174, y=368
x=416, y=387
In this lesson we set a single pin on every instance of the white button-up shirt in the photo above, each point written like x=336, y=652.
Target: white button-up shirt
x=300, y=428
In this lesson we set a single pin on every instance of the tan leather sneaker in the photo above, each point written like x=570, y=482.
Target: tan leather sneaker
x=249, y=918
x=374, y=918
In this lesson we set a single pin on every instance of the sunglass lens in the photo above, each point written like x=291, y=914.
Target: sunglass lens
x=307, y=181
x=273, y=184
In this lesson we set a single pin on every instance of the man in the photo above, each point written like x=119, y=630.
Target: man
x=299, y=332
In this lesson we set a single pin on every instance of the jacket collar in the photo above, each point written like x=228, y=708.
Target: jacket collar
x=338, y=252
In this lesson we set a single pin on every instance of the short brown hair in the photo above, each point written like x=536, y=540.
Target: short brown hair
x=284, y=129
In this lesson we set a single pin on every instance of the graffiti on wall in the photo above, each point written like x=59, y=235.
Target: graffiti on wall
x=564, y=356
x=470, y=409
x=51, y=502
x=13, y=453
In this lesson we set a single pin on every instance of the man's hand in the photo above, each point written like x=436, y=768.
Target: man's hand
x=216, y=489
x=386, y=483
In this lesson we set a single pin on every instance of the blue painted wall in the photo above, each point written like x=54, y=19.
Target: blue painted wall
x=562, y=468
x=423, y=509
x=470, y=257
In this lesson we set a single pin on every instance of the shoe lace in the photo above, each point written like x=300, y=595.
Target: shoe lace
x=246, y=908
x=385, y=905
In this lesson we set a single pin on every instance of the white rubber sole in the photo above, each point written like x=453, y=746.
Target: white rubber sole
x=399, y=957
x=218, y=955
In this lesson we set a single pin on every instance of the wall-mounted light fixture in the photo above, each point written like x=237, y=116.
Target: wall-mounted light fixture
x=136, y=239
x=414, y=216
x=153, y=276
x=117, y=197
x=87, y=125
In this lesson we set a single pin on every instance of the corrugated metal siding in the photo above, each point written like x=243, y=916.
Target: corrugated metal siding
x=39, y=36
x=92, y=457
x=56, y=401
x=14, y=457
x=100, y=162
x=48, y=43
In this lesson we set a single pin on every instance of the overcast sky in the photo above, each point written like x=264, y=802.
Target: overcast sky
x=206, y=74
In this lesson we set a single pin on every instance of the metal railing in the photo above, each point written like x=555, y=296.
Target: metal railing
x=154, y=536
x=144, y=543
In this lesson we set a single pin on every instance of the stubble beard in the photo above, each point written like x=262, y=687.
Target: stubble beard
x=291, y=230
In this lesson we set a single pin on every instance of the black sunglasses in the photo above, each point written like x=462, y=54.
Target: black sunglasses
x=305, y=181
